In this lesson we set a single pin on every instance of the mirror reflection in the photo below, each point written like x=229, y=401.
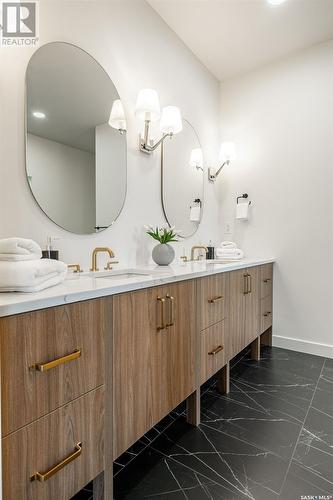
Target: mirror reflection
x=182, y=181
x=75, y=150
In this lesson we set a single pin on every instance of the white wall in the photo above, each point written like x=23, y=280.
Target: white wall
x=281, y=118
x=137, y=49
x=63, y=182
x=111, y=173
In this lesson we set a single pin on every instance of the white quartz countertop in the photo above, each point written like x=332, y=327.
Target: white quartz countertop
x=89, y=286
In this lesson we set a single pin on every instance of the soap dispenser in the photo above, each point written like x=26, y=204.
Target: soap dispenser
x=210, y=254
x=49, y=252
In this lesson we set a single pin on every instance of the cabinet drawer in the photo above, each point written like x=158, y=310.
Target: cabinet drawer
x=71, y=335
x=266, y=310
x=48, y=442
x=266, y=280
x=212, y=298
x=213, y=350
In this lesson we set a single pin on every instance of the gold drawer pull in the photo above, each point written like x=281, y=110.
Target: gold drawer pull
x=246, y=284
x=43, y=367
x=215, y=299
x=38, y=476
x=172, y=320
x=267, y=280
x=163, y=325
x=267, y=314
x=215, y=351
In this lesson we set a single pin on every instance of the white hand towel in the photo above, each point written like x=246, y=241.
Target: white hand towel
x=16, y=249
x=195, y=213
x=31, y=276
x=242, y=211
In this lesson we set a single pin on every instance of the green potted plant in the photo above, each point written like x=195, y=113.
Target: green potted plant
x=163, y=253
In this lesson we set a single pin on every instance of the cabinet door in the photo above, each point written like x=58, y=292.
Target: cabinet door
x=235, y=337
x=252, y=308
x=179, y=356
x=154, y=359
x=137, y=343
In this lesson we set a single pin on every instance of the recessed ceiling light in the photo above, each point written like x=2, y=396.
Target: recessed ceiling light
x=275, y=2
x=39, y=114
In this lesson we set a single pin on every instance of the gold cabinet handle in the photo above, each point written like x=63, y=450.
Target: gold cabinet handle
x=249, y=286
x=215, y=299
x=172, y=319
x=162, y=302
x=268, y=313
x=215, y=351
x=267, y=280
x=42, y=477
x=43, y=367
x=246, y=284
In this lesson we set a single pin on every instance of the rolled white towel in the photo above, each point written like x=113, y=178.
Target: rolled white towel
x=31, y=276
x=17, y=249
x=237, y=254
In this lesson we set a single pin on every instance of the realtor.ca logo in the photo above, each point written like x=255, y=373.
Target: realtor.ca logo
x=19, y=24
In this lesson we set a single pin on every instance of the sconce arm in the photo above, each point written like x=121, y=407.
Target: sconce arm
x=213, y=176
x=144, y=144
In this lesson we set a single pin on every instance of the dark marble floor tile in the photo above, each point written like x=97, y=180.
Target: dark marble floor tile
x=281, y=369
x=301, y=482
x=314, y=451
x=323, y=398
x=233, y=416
x=83, y=495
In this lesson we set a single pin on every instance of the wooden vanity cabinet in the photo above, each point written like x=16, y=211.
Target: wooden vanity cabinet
x=53, y=381
x=154, y=334
x=266, y=300
x=244, y=308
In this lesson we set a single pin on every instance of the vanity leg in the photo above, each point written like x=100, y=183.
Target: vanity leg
x=255, y=349
x=193, y=408
x=266, y=338
x=223, y=379
x=98, y=487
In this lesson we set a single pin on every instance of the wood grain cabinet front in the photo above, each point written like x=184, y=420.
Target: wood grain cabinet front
x=266, y=313
x=244, y=309
x=213, y=350
x=49, y=358
x=266, y=280
x=212, y=295
x=154, y=357
x=56, y=456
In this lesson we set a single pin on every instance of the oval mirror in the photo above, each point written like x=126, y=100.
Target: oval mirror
x=76, y=163
x=182, y=180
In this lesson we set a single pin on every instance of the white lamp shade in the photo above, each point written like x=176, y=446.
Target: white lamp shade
x=148, y=105
x=117, y=116
x=171, y=120
x=227, y=152
x=196, y=159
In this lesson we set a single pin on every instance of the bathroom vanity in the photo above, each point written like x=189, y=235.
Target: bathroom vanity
x=89, y=366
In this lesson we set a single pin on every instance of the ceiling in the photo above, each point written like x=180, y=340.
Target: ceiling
x=232, y=37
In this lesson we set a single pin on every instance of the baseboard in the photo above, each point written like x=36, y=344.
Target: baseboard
x=315, y=348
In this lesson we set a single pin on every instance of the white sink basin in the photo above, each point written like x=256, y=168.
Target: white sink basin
x=121, y=274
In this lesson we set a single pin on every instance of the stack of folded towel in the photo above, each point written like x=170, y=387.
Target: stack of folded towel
x=228, y=251
x=23, y=270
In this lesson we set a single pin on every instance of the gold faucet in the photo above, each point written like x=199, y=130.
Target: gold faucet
x=197, y=247
x=76, y=268
x=96, y=251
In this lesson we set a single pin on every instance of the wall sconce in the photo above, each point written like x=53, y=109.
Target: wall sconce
x=196, y=159
x=147, y=109
x=117, y=118
x=227, y=154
